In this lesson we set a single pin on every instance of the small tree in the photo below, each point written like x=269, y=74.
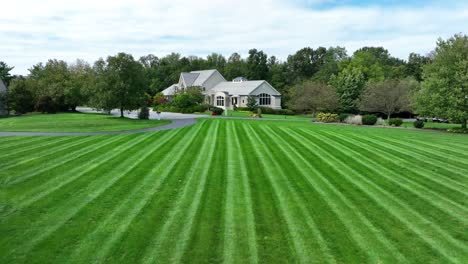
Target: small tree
x=20, y=97
x=144, y=113
x=252, y=103
x=46, y=104
x=388, y=96
x=314, y=97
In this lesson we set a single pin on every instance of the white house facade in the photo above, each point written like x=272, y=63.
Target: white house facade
x=226, y=94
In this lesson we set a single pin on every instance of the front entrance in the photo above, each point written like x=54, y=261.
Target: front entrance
x=234, y=101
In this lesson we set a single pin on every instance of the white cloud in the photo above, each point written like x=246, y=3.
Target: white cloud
x=34, y=31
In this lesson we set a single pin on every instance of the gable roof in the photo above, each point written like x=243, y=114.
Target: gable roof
x=189, y=78
x=203, y=76
x=171, y=90
x=241, y=88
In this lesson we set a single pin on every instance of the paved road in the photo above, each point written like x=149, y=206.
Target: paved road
x=134, y=114
x=175, y=124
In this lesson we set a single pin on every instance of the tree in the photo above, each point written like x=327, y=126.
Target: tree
x=444, y=91
x=388, y=96
x=311, y=96
x=251, y=103
x=126, y=83
x=80, y=79
x=257, y=68
x=348, y=84
x=415, y=64
x=216, y=61
x=5, y=75
x=235, y=67
x=20, y=97
x=306, y=62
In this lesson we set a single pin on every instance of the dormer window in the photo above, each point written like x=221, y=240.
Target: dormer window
x=239, y=79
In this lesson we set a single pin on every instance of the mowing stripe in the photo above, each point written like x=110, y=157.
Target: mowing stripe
x=233, y=224
x=441, y=147
x=77, y=172
x=405, y=153
x=345, y=213
x=125, y=213
x=391, y=159
x=30, y=149
x=449, y=207
x=93, y=190
x=392, y=204
x=65, y=158
x=176, y=218
x=434, y=157
x=33, y=156
x=13, y=143
x=304, y=253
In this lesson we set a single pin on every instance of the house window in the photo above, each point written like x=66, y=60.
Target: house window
x=219, y=101
x=264, y=99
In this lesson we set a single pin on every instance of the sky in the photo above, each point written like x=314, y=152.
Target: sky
x=33, y=31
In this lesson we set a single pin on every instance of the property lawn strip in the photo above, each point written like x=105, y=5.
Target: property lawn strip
x=239, y=233
x=9, y=143
x=143, y=185
x=309, y=247
x=208, y=224
x=38, y=165
x=447, y=177
x=413, y=181
x=392, y=174
x=391, y=225
x=42, y=156
x=153, y=208
x=104, y=178
x=34, y=148
x=189, y=143
x=274, y=241
x=413, y=219
x=453, y=163
x=312, y=170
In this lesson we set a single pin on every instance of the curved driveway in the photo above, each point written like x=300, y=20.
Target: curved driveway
x=174, y=124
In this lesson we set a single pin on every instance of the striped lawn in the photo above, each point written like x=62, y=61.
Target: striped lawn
x=236, y=191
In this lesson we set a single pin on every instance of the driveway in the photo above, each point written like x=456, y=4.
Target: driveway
x=134, y=114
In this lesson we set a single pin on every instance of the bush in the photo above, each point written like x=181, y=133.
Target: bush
x=369, y=120
x=268, y=110
x=45, y=104
x=144, y=113
x=418, y=124
x=327, y=117
x=216, y=110
x=343, y=117
x=201, y=108
x=354, y=120
x=395, y=122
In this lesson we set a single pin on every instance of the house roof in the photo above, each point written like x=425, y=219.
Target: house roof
x=189, y=78
x=171, y=90
x=240, y=88
x=202, y=77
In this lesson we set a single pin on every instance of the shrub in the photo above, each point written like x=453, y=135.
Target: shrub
x=458, y=130
x=354, y=120
x=144, y=113
x=380, y=122
x=343, y=117
x=268, y=110
x=395, y=122
x=327, y=117
x=369, y=120
x=418, y=124
x=216, y=110
x=45, y=104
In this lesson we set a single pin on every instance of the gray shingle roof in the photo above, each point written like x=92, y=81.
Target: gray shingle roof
x=171, y=90
x=202, y=77
x=189, y=78
x=237, y=88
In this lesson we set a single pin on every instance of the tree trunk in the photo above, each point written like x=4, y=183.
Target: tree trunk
x=388, y=116
x=464, y=123
x=121, y=112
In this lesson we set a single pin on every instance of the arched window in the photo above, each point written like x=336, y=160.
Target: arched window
x=219, y=101
x=264, y=99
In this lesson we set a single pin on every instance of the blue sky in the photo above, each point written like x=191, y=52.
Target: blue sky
x=33, y=31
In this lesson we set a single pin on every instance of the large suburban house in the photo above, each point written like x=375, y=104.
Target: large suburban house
x=226, y=94
x=3, y=90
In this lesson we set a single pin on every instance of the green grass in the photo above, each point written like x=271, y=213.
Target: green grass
x=432, y=125
x=269, y=116
x=74, y=122
x=240, y=191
